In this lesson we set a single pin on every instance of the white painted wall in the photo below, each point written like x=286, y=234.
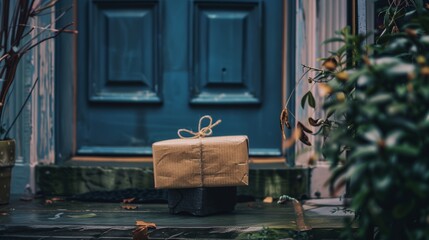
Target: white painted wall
x=316, y=21
x=34, y=131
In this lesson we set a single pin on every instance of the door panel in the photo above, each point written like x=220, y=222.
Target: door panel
x=148, y=68
x=227, y=56
x=123, y=51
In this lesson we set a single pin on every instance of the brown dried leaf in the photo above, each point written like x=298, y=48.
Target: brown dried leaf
x=304, y=128
x=425, y=71
x=314, y=122
x=303, y=138
x=312, y=161
x=324, y=89
x=411, y=32
x=284, y=121
x=342, y=76
x=147, y=224
x=128, y=200
x=129, y=207
x=330, y=64
x=56, y=199
x=141, y=231
x=268, y=200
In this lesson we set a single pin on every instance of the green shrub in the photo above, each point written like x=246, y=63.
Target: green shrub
x=376, y=127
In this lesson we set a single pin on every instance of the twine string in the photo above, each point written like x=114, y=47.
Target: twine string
x=202, y=131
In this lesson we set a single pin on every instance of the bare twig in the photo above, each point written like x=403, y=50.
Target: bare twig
x=14, y=30
x=22, y=107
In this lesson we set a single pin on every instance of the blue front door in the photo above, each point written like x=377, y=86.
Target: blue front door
x=148, y=68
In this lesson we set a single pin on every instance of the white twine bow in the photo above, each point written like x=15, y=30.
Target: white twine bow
x=202, y=132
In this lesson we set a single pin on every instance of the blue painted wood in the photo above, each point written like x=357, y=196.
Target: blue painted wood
x=123, y=49
x=291, y=74
x=118, y=123
x=65, y=87
x=116, y=151
x=227, y=52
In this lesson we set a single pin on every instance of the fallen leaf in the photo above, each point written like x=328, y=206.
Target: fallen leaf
x=140, y=233
x=268, y=200
x=129, y=207
x=87, y=215
x=128, y=200
x=56, y=199
x=147, y=224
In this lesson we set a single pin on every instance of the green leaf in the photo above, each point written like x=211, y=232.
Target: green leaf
x=330, y=112
x=363, y=151
x=372, y=135
x=404, y=149
x=402, y=209
x=311, y=100
x=380, y=98
x=303, y=99
x=335, y=39
x=393, y=138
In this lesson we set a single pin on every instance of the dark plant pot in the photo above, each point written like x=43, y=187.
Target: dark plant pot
x=7, y=161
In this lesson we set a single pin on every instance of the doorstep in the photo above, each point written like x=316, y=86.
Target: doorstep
x=38, y=219
x=264, y=180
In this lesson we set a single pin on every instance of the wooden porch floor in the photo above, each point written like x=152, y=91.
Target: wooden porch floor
x=37, y=219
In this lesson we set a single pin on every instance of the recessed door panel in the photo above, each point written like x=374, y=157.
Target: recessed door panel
x=227, y=53
x=123, y=51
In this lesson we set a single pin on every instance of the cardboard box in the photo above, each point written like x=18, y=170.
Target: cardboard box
x=201, y=162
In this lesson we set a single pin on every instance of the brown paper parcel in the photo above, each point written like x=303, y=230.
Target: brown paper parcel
x=201, y=162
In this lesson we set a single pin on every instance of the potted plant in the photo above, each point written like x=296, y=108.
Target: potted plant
x=17, y=37
x=376, y=127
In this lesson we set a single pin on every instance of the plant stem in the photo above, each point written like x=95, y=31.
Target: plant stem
x=293, y=91
x=21, y=109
